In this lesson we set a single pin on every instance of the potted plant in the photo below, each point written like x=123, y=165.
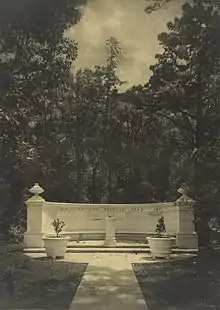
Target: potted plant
x=56, y=245
x=160, y=244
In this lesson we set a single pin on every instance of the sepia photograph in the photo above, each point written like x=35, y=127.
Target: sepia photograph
x=110, y=154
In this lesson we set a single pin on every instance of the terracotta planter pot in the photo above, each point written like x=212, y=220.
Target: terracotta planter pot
x=56, y=247
x=161, y=247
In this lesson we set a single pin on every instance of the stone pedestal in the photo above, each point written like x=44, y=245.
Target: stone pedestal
x=186, y=237
x=33, y=240
x=33, y=235
x=187, y=241
x=110, y=239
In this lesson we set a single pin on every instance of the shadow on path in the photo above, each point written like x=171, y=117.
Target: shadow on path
x=109, y=285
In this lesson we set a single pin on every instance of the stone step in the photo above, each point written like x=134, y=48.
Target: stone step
x=108, y=250
x=100, y=244
x=112, y=250
x=124, y=250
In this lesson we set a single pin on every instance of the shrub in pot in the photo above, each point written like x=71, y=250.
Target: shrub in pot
x=56, y=245
x=160, y=244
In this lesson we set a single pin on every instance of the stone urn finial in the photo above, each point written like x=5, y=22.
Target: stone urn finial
x=184, y=200
x=36, y=190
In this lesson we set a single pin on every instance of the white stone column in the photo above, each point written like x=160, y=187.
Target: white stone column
x=33, y=235
x=110, y=239
x=186, y=237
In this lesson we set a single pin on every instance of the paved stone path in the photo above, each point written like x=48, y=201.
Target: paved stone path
x=109, y=283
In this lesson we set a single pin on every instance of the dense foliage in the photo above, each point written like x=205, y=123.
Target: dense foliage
x=154, y=5
x=185, y=88
x=83, y=138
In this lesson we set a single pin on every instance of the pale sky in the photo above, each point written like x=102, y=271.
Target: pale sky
x=127, y=22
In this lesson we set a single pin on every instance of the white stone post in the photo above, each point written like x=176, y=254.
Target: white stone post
x=33, y=235
x=110, y=239
x=186, y=237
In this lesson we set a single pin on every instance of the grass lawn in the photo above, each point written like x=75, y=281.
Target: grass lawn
x=192, y=284
x=40, y=283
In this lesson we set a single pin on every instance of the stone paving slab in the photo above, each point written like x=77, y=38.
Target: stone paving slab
x=75, y=258
x=108, y=297
x=144, y=258
x=109, y=283
x=106, y=276
x=91, y=258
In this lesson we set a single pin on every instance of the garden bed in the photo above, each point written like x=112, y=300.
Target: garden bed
x=192, y=284
x=40, y=283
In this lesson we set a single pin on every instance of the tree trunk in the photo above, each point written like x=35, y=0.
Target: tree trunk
x=109, y=183
x=94, y=187
x=198, y=181
x=79, y=162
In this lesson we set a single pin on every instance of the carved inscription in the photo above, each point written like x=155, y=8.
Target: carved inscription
x=104, y=209
x=123, y=209
x=153, y=210
x=156, y=211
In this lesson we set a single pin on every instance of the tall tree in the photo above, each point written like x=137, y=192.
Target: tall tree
x=154, y=5
x=185, y=87
x=35, y=61
x=96, y=98
x=112, y=84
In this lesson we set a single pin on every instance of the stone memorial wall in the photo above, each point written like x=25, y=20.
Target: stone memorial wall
x=87, y=221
